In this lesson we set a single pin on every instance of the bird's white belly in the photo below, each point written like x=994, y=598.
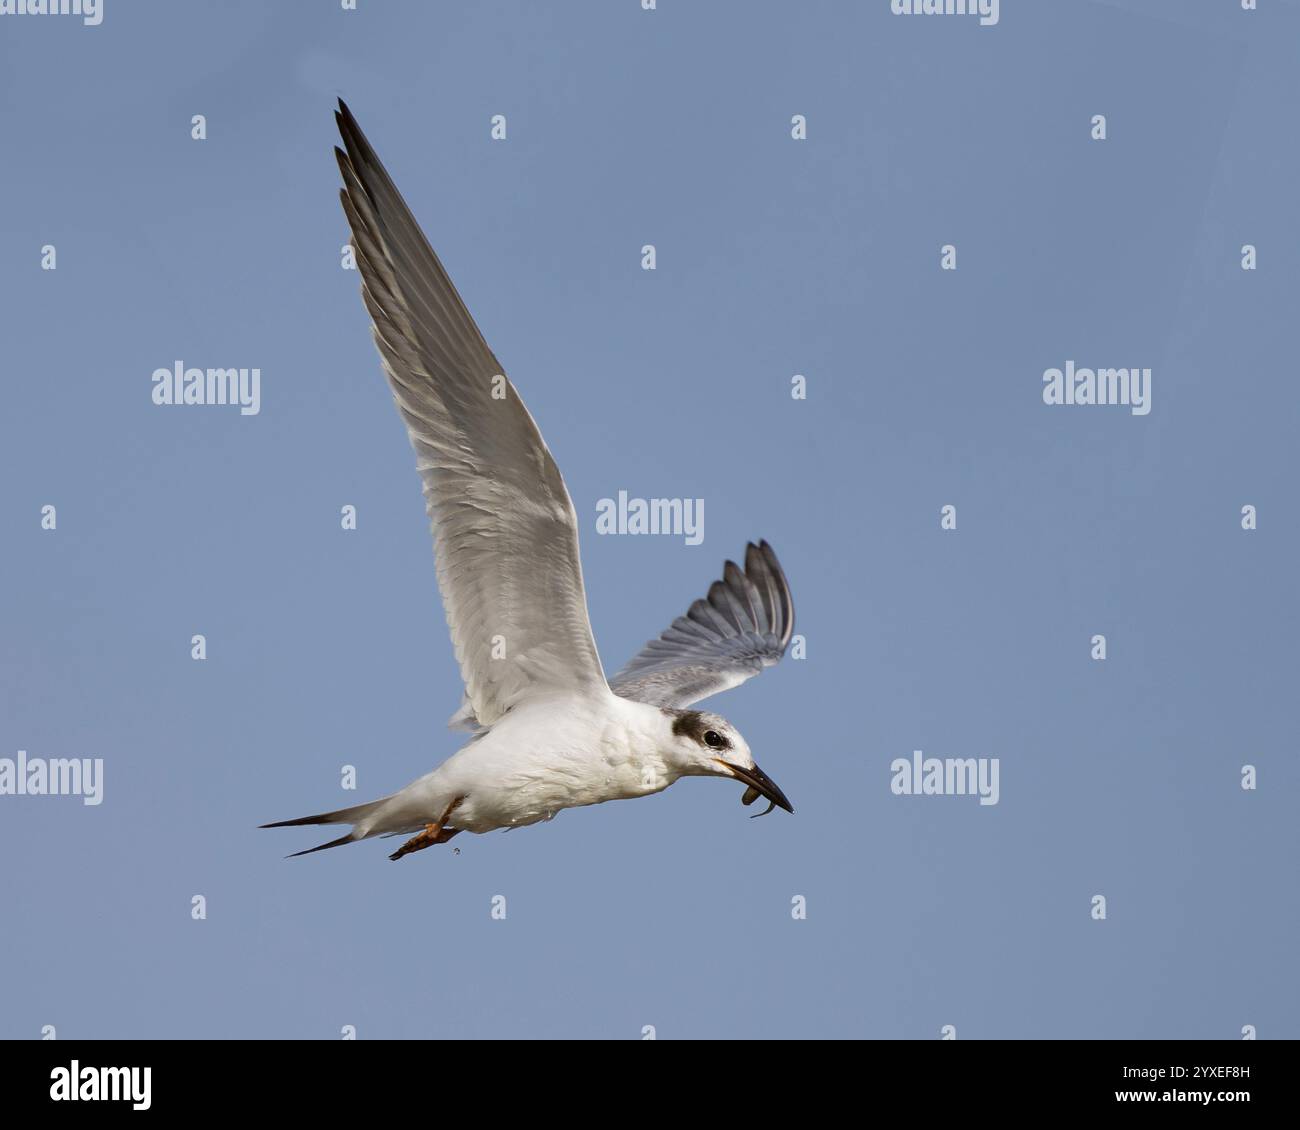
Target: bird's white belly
x=531, y=767
x=528, y=795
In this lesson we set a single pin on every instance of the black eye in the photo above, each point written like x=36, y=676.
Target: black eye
x=714, y=739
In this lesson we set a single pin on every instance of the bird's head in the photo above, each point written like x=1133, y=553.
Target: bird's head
x=706, y=745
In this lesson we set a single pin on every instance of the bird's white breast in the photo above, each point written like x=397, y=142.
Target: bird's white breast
x=557, y=754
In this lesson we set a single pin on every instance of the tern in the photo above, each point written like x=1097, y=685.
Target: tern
x=549, y=731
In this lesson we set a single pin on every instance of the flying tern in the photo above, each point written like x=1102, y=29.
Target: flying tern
x=549, y=731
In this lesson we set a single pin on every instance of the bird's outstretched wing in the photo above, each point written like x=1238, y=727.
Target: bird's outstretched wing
x=505, y=534
x=744, y=625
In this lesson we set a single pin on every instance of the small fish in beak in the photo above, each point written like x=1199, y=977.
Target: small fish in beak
x=750, y=795
x=759, y=784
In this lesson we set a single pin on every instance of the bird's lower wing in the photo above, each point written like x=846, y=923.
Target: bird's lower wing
x=505, y=533
x=744, y=625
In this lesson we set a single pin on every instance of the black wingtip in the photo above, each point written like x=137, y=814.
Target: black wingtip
x=347, y=124
x=345, y=165
x=319, y=818
x=321, y=847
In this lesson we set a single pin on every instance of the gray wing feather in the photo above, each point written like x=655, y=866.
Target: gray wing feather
x=505, y=533
x=744, y=625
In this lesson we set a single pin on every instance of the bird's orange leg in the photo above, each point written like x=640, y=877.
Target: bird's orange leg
x=433, y=834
